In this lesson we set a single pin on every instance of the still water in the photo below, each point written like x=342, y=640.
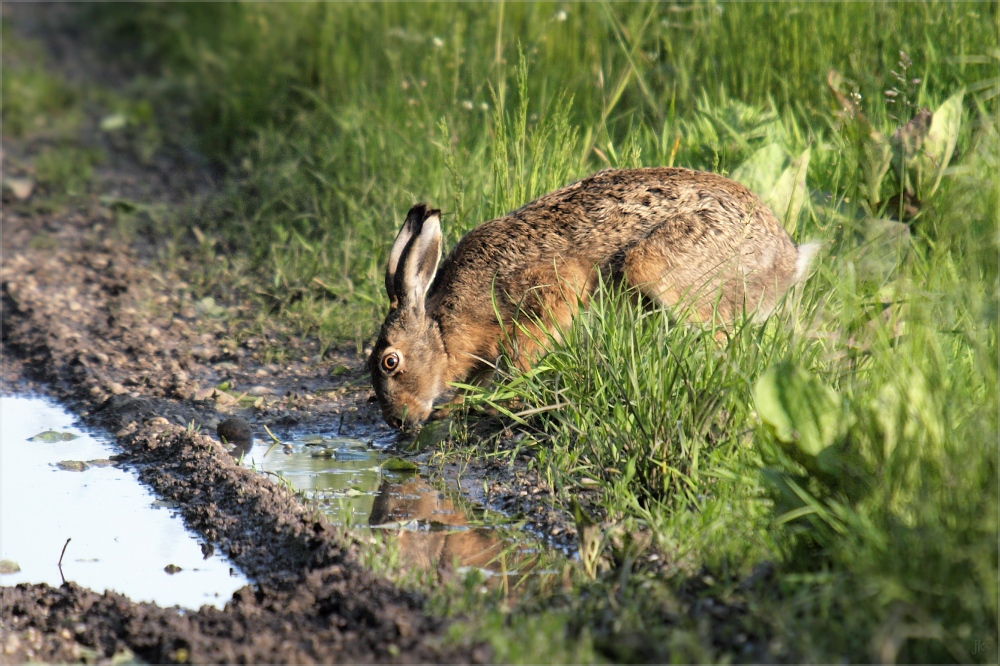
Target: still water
x=121, y=538
x=358, y=483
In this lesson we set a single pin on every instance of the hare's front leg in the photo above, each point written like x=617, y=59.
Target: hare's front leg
x=550, y=295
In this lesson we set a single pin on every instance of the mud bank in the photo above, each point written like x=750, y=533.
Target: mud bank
x=313, y=601
x=129, y=351
x=69, y=624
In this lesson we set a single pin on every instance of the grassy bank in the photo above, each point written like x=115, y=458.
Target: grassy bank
x=849, y=442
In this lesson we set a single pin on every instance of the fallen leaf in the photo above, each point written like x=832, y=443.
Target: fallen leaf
x=51, y=436
x=21, y=188
x=72, y=465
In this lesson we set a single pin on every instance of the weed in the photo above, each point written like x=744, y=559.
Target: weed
x=66, y=170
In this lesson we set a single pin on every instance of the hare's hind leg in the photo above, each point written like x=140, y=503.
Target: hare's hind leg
x=692, y=276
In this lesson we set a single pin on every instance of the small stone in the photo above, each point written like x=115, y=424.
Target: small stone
x=172, y=569
x=261, y=390
x=11, y=643
x=115, y=388
x=158, y=421
x=9, y=567
x=223, y=399
x=72, y=465
x=204, y=394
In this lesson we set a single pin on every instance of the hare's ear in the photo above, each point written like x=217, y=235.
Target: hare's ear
x=410, y=226
x=418, y=260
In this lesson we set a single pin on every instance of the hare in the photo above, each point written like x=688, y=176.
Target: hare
x=675, y=235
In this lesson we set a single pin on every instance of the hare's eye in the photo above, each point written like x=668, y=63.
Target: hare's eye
x=390, y=362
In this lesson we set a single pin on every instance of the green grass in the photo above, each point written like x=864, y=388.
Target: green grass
x=876, y=502
x=34, y=100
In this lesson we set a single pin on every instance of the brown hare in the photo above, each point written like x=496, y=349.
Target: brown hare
x=675, y=235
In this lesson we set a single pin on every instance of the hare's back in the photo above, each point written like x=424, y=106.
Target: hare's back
x=627, y=205
x=596, y=219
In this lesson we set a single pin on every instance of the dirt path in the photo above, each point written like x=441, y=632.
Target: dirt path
x=126, y=347
x=86, y=323
x=91, y=318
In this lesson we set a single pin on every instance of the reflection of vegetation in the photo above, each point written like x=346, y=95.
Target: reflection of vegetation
x=343, y=489
x=820, y=487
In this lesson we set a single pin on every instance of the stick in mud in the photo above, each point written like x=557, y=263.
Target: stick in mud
x=61, y=558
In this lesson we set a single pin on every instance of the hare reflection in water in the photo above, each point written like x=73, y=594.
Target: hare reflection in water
x=439, y=546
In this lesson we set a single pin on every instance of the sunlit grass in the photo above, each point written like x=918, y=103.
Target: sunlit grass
x=333, y=119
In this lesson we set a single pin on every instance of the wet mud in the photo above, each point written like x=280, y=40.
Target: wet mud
x=69, y=623
x=71, y=327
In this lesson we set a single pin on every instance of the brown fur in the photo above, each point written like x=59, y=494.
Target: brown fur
x=676, y=235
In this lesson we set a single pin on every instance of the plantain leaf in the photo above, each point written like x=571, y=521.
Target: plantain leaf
x=789, y=193
x=51, y=436
x=431, y=434
x=939, y=145
x=877, y=160
x=761, y=170
x=399, y=465
x=800, y=410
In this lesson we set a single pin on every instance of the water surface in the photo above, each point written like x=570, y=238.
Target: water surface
x=352, y=481
x=121, y=537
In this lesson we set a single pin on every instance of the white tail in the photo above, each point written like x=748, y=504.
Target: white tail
x=803, y=259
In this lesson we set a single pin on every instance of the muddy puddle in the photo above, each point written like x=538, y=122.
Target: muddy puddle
x=58, y=484
x=361, y=484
